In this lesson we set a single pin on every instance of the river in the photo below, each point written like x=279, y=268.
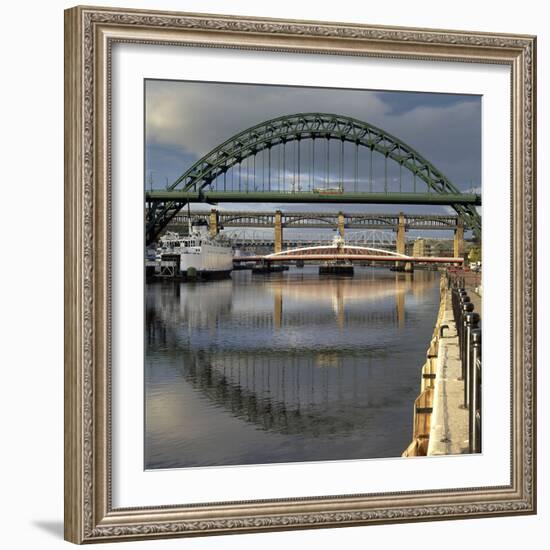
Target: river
x=285, y=367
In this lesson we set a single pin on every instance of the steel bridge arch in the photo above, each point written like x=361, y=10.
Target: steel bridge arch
x=238, y=218
x=294, y=222
x=383, y=222
x=353, y=249
x=296, y=127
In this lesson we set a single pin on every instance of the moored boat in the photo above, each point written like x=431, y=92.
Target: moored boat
x=197, y=255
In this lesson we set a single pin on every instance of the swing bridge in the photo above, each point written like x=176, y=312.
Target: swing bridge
x=313, y=158
x=340, y=251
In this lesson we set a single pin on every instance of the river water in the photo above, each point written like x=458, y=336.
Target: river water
x=285, y=367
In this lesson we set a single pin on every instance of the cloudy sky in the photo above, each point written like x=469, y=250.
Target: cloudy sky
x=185, y=120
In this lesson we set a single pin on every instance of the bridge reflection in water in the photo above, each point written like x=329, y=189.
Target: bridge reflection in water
x=286, y=368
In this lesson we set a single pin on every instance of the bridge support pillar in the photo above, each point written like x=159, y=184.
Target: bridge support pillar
x=214, y=222
x=278, y=231
x=341, y=224
x=400, y=241
x=458, y=249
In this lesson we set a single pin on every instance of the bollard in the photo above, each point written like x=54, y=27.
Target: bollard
x=474, y=430
x=454, y=300
x=456, y=306
x=467, y=307
x=471, y=321
x=462, y=297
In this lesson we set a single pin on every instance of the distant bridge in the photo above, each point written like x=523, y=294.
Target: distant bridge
x=311, y=158
x=318, y=220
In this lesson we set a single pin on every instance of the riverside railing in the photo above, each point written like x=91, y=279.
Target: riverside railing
x=469, y=339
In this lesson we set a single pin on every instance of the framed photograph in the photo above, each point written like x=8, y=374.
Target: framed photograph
x=300, y=274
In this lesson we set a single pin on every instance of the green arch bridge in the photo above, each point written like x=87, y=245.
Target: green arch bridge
x=311, y=158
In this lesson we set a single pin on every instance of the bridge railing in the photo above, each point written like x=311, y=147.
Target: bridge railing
x=469, y=338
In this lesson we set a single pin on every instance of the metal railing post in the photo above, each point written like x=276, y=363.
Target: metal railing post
x=471, y=321
x=475, y=394
x=469, y=342
x=457, y=309
x=466, y=308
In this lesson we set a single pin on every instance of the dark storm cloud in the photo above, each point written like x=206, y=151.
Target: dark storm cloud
x=405, y=101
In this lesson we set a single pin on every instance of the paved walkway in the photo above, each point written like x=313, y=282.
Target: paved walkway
x=449, y=423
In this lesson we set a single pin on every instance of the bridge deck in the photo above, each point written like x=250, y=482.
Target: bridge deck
x=447, y=199
x=351, y=257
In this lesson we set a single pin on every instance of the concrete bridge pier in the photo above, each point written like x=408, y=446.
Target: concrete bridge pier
x=214, y=222
x=400, y=244
x=278, y=224
x=400, y=240
x=341, y=224
x=459, y=238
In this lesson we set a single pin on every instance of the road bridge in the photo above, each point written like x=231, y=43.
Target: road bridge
x=317, y=220
x=311, y=158
x=341, y=252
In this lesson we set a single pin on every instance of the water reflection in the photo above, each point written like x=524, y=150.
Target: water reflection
x=288, y=367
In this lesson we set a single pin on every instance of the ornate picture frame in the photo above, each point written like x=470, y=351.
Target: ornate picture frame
x=90, y=34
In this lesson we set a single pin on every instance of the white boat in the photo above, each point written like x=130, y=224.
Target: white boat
x=194, y=255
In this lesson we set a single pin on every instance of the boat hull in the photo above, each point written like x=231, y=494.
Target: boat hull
x=207, y=260
x=192, y=257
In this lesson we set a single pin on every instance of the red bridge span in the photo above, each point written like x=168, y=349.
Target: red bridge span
x=339, y=251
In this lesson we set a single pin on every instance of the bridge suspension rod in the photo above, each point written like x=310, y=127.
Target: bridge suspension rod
x=356, y=167
x=298, y=147
x=328, y=162
x=371, y=171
